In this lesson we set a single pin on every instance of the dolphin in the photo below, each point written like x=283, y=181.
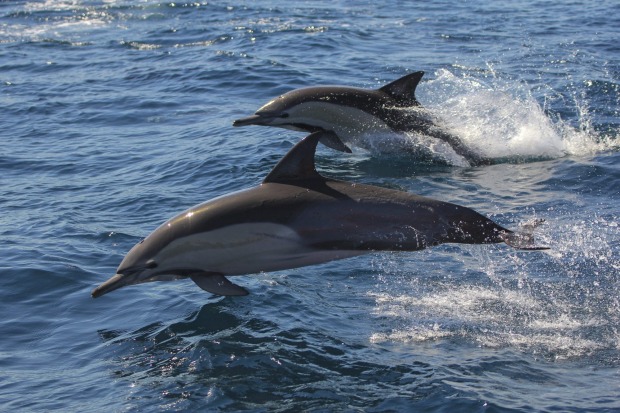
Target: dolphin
x=294, y=218
x=347, y=113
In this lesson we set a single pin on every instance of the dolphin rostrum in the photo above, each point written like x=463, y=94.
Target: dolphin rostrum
x=297, y=217
x=347, y=113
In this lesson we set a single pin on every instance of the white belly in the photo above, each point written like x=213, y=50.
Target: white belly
x=245, y=249
x=346, y=121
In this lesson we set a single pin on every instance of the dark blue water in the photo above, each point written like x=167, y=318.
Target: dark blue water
x=116, y=115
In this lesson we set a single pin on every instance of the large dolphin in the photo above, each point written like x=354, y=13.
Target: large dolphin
x=349, y=113
x=294, y=218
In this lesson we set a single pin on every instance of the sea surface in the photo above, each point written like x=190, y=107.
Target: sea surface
x=117, y=115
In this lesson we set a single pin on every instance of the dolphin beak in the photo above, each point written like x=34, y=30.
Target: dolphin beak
x=117, y=281
x=252, y=120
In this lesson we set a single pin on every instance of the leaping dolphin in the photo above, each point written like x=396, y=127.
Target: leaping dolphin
x=297, y=217
x=348, y=113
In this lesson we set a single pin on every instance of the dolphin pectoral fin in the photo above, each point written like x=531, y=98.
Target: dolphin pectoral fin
x=524, y=238
x=217, y=284
x=331, y=140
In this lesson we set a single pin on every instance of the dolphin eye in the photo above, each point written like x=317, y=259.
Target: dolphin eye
x=150, y=264
x=284, y=115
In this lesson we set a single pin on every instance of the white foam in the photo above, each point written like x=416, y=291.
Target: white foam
x=53, y=5
x=412, y=334
x=488, y=318
x=411, y=145
x=68, y=28
x=501, y=119
x=545, y=305
x=497, y=119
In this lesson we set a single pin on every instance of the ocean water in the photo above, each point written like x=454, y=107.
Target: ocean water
x=116, y=115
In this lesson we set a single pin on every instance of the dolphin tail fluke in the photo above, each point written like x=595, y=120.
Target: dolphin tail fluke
x=217, y=284
x=523, y=239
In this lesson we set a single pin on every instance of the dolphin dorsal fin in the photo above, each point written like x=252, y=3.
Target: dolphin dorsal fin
x=403, y=89
x=298, y=163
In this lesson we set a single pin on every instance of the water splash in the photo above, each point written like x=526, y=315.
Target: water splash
x=503, y=120
x=559, y=304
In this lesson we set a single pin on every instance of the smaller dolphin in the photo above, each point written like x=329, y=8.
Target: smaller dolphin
x=294, y=218
x=347, y=113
